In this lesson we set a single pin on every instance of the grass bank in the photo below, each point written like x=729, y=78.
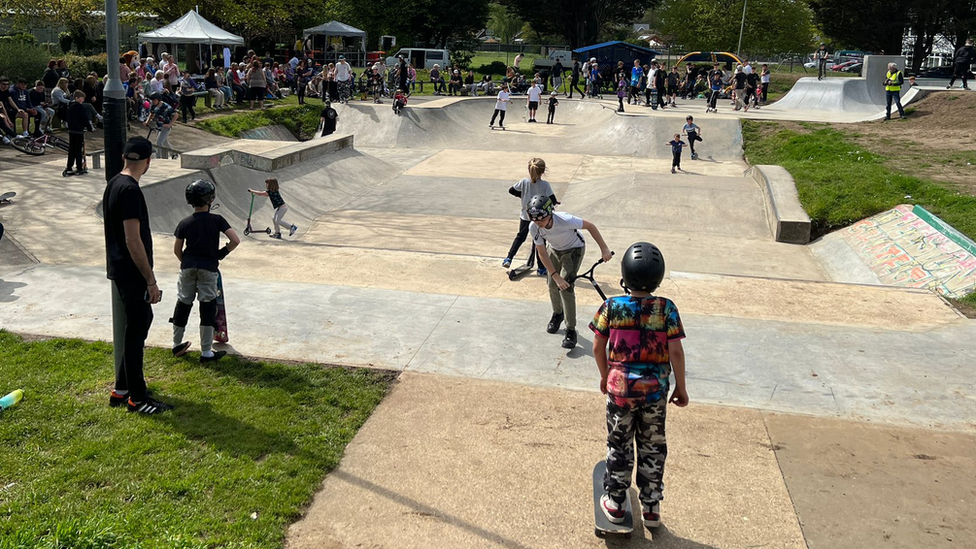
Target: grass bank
x=840, y=183
x=300, y=120
x=232, y=466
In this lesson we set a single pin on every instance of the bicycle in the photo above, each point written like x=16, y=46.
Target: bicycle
x=37, y=146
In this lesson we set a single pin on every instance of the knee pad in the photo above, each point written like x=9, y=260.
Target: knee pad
x=208, y=313
x=181, y=314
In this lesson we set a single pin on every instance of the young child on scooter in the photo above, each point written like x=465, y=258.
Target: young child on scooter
x=271, y=186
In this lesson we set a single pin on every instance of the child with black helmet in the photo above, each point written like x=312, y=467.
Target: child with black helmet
x=560, y=247
x=196, y=246
x=637, y=344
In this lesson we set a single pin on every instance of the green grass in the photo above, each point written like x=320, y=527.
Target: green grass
x=300, y=120
x=246, y=437
x=969, y=299
x=840, y=183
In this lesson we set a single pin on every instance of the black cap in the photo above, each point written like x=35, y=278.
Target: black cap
x=137, y=148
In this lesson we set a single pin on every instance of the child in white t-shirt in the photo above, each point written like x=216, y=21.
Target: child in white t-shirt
x=534, y=98
x=500, y=106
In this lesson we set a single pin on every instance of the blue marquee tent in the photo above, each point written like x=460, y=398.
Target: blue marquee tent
x=608, y=53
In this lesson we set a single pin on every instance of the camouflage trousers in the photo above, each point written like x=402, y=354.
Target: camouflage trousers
x=643, y=421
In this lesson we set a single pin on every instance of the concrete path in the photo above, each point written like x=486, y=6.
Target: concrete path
x=811, y=367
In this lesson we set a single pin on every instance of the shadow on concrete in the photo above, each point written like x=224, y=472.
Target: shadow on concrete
x=7, y=290
x=428, y=511
x=658, y=538
x=584, y=347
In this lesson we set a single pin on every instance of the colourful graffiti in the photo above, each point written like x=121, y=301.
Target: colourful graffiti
x=908, y=246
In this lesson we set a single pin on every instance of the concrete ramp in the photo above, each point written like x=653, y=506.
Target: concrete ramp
x=906, y=246
x=582, y=127
x=310, y=188
x=864, y=95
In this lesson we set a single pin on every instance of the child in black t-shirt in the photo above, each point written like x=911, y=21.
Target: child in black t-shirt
x=196, y=246
x=553, y=101
x=676, y=145
x=328, y=118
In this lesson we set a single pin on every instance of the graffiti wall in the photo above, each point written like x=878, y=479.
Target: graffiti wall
x=908, y=246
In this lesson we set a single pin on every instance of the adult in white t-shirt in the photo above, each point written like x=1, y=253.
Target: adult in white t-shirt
x=534, y=97
x=560, y=247
x=501, y=104
x=343, y=74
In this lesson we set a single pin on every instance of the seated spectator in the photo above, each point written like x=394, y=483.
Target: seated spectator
x=486, y=85
x=27, y=110
x=60, y=99
x=133, y=98
x=225, y=90
x=411, y=77
x=38, y=97
x=314, y=87
x=157, y=84
x=210, y=83
x=469, y=83
x=437, y=80
x=455, y=85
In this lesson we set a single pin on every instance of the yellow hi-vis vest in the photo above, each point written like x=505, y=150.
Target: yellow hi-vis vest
x=896, y=80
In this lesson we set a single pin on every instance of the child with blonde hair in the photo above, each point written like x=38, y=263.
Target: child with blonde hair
x=279, y=205
x=525, y=189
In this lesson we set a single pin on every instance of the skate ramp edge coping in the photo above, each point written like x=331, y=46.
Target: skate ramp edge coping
x=786, y=216
x=263, y=156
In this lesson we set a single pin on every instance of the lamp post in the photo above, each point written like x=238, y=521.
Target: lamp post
x=742, y=26
x=114, y=106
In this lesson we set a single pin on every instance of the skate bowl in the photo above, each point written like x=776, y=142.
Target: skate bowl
x=581, y=127
x=863, y=96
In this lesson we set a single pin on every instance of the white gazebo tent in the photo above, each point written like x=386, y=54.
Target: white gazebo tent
x=192, y=28
x=355, y=55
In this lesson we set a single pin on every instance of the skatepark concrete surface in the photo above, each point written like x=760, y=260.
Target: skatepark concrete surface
x=492, y=431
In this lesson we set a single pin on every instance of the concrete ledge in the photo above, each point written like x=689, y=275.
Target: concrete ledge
x=264, y=156
x=787, y=218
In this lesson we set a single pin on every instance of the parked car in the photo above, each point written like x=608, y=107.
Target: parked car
x=939, y=72
x=840, y=67
x=563, y=56
x=855, y=68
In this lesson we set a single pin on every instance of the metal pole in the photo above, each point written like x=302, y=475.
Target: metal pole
x=742, y=27
x=114, y=106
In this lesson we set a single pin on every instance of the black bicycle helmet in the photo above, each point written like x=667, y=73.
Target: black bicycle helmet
x=642, y=268
x=540, y=207
x=200, y=193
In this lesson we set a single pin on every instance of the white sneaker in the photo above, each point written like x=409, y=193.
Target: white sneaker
x=6, y=140
x=613, y=510
x=25, y=134
x=652, y=515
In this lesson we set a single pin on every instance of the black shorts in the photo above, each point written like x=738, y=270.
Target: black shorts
x=533, y=105
x=257, y=94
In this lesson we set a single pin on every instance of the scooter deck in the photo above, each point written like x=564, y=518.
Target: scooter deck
x=602, y=525
x=5, y=197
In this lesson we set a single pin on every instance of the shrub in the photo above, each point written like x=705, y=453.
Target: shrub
x=495, y=67
x=80, y=65
x=64, y=40
x=22, y=60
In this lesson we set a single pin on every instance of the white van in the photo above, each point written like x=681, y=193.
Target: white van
x=421, y=58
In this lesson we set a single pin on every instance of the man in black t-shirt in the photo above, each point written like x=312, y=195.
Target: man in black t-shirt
x=197, y=247
x=328, y=119
x=129, y=265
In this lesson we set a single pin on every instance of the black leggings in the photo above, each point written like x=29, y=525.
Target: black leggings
x=713, y=100
x=765, y=90
x=301, y=92
x=552, y=115
x=501, y=122
x=676, y=160
x=520, y=238
x=620, y=100
x=76, y=150
x=692, y=137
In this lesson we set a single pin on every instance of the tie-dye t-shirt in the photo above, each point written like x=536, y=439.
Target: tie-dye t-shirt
x=638, y=330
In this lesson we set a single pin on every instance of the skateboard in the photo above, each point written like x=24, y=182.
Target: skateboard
x=654, y=99
x=5, y=197
x=220, y=330
x=499, y=127
x=517, y=272
x=603, y=526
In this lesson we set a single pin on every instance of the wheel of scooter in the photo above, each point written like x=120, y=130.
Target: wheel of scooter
x=268, y=230
x=247, y=231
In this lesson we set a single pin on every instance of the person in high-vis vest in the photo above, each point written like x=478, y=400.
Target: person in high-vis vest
x=893, y=82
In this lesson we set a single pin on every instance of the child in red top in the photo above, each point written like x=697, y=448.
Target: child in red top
x=636, y=344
